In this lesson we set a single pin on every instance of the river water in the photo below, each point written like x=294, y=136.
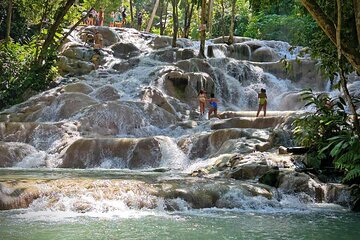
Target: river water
x=290, y=221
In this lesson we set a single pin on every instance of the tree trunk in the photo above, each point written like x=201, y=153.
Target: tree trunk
x=232, y=23
x=131, y=14
x=161, y=17
x=343, y=81
x=223, y=20
x=152, y=16
x=163, y=25
x=190, y=17
x=61, y=12
x=175, y=24
x=186, y=17
x=8, y=22
x=203, y=29
x=210, y=16
x=74, y=26
x=44, y=16
x=328, y=27
x=357, y=18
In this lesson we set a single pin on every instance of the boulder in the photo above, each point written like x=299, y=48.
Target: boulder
x=74, y=67
x=110, y=36
x=294, y=182
x=106, y=93
x=217, y=50
x=226, y=39
x=271, y=177
x=246, y=122
x=264, y=54
x=19, y=197
x=185, y=86
x=145, y=154
x=12, y=153
x=125, y=50
x=127, y=118
x=217, y=138
x=155, y=96
x=77, y=52
x=164, y=55
x=240, y=51
x=66, y=105
x=248, y=171
x=122, y=152
x=30, y=133
x=28, y=111
x=78, y=87
x=301, y=72
x=126, y=65
x=196, y=146
x=184, y=54
x=161, y=42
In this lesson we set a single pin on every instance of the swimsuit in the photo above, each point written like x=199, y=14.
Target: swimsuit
x=262, y=101
x=262, y=98
x=214, y=104
x=202, y=98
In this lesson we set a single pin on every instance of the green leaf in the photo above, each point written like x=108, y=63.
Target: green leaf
x=336, y=150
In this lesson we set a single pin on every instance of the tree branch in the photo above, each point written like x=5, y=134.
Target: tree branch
x=329, y=29
x=74, y=27
x=61, y=12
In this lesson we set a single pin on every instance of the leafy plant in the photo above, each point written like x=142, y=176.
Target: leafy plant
x=329, y=135
x=20, y=74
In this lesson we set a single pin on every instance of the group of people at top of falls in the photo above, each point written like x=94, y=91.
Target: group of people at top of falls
x=95, y=18
x=213, y=103
x=117, y=18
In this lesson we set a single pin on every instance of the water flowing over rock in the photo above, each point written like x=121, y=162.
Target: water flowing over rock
x=138, y=113
x=118, y=153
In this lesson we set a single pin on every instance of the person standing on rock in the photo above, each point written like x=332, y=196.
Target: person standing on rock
x=213, y=105
x=139, y=20
x=262, y=102
x=202, y=101
x=101, y=17
x=112, y=19
x=123, y=15
x=95, y=59
x=118, y=19
x=98, y=39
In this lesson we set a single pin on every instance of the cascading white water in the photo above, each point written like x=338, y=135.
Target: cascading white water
x=105, y=124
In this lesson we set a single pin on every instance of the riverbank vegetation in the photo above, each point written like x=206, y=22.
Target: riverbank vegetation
x=32, y=30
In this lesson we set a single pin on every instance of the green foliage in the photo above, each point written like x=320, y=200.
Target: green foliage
x=19, y=73
x=19, y=26
x=329, y=135
x=293, y=29
x=346, y=151
x=273, y=6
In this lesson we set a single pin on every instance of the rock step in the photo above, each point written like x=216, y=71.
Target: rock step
x=234, y=114
x=249, y=122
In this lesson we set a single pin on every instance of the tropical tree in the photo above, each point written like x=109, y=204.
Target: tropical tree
x=8, y=21
x=202, y=29
x=231, y=33
x=347, y=46
x=175, y=22
x=152, y=15
x=188, y=14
